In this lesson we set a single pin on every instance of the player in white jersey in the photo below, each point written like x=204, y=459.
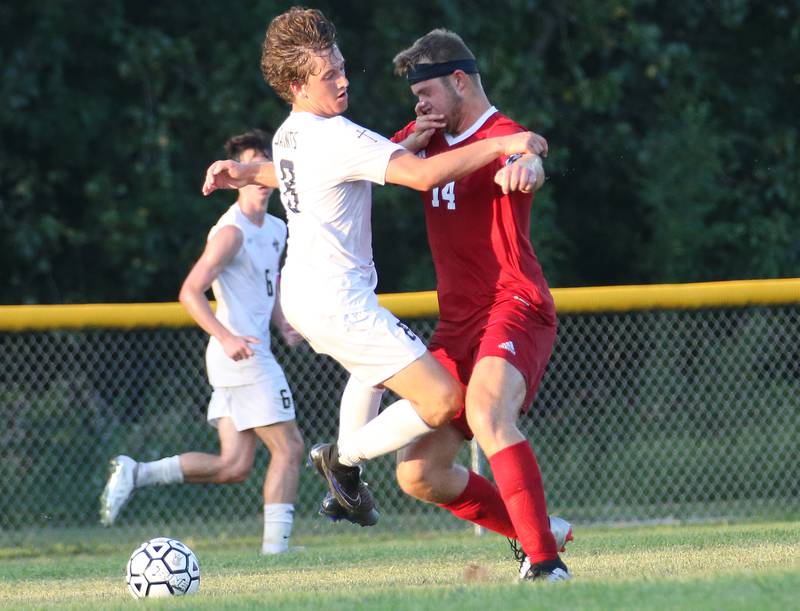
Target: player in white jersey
x=251, y=399
x=325, y=167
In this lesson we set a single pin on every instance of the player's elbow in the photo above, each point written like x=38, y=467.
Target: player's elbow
x=185, y=294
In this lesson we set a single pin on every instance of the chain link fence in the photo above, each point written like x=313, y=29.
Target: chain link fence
x=649, y=415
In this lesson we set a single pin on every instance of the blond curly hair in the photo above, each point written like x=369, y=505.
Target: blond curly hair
x=292, y=41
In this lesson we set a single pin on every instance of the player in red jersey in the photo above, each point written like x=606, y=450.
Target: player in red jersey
x=497, y=319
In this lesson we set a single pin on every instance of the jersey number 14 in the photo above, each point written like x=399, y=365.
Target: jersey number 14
x=448, y=194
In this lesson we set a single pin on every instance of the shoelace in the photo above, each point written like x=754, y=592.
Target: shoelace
x=521, y=557
x=516, y=548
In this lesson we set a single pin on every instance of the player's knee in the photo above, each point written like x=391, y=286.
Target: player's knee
x=482, y=416
x=449, y=401
x=414, y=479
x=295, y=447
x=289, y=447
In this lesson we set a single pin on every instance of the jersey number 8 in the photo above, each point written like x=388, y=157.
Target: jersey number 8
x=288, y=194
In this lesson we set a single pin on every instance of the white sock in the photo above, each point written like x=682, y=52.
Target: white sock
x=358, y=406
x=278, y=519
x=394, y=428
x=164, y=471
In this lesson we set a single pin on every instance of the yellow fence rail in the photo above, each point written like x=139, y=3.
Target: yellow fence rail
x=738, y=293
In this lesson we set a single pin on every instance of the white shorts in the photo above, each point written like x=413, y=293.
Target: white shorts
x=372, y=344
x=266, y=402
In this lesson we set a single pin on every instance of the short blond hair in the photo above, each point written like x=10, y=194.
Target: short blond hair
x=291, y=42
x=436, y=46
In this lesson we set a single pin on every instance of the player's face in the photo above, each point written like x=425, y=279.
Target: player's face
x=258, y=193
x=439, y=96
x=325, y=92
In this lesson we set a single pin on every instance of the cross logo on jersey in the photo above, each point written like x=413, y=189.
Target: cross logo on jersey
x=363, y=132
x=276, y=245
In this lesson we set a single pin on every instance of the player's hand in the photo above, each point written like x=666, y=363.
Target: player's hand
x=425, y=126
x=226, y=174
x=238, y=347
x=525, y=142
x=521, y=175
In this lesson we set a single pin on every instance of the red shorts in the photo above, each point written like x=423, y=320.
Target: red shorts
x=513, y=331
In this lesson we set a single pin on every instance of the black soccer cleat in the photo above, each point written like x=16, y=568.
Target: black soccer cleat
x=344, y=484
x=331, y=509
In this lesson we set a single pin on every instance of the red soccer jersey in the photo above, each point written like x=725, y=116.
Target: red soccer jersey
x=479, y=237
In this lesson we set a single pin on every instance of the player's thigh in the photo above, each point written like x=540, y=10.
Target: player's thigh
x=282, y=439
x=495, y=393
x=435, y=392
x=237, y=448
x=510, y=362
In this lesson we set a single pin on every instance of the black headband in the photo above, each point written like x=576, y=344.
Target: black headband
x=422, y=72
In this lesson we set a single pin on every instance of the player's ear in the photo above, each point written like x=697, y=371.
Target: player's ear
x=298, y=89
x=462, y=81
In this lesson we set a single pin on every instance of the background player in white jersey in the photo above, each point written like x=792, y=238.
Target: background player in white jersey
x=325, y=166
x=251, y=399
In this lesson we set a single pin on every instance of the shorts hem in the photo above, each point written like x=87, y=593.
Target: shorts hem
x=247, y=426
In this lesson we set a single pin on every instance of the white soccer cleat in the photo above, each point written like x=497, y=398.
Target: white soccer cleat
x=549, y=570
x=119, y=488
x=562, y=531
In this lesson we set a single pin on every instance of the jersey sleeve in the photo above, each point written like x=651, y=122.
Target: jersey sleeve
x=226, y=219
x=504, y=127
x=360, y=153
x=404, y=133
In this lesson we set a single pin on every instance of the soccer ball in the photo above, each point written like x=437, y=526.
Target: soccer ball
x=162, y=567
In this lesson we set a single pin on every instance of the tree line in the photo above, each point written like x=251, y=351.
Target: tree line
x=672, y=127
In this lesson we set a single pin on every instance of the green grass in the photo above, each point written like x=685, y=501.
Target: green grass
x=710, y=566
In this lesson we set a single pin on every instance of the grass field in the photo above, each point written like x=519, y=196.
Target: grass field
x=720, y=566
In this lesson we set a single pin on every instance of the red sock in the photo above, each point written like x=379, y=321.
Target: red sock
x=482, y=504
x=520, y=484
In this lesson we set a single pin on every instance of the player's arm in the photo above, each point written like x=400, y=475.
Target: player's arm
x=220, y=250
x=423, y=174
x=523, y=173
x=290, y=336
x=230, y=174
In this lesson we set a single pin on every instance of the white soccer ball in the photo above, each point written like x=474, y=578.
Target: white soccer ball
x=162, y=567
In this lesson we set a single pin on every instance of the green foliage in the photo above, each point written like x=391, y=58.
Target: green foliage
x=675, y=153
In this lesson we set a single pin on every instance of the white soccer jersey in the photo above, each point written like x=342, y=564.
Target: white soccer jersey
x=245, y=292
x=325, y=168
